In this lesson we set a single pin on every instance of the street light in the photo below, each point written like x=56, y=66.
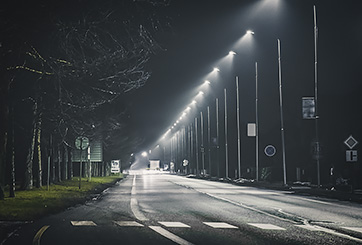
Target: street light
x=232, y=53
x=250, y=32
x=216, y=69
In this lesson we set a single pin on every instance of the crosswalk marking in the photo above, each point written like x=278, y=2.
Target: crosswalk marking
x=174, y=224
x=357, y=229
x=220, y=225
x=83, y=223
x=128, y=223
x=266, y=226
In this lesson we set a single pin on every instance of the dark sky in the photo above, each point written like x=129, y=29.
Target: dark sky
x=203, y=32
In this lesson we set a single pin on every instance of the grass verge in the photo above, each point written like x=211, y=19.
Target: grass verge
x=37, y=203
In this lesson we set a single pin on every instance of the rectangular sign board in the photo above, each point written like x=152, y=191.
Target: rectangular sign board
x=251, y=129
x=308, y=107
x=115, y=168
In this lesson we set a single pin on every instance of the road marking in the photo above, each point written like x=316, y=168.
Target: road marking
x=174, y=224
x=357, y=229
x=128, y=223
x=267, y=226
x=220, y=225
x=136, y=211
x=309, y=227
x=170, y=235
x=83, y=223
x=36, y=240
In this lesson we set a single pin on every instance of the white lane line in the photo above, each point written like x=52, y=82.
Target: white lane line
x=332, y=232
x=83, y=223
x=266, y=226
x=309, y=227
x=136, y=211
x=220, y=225
x=134, y=203
x=170, y=235
x=174, y=224
x=128, y=223
x=357, y=229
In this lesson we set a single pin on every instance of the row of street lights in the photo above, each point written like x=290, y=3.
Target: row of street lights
x=187, y=111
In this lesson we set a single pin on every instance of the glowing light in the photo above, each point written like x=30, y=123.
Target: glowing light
x=207, y=82
x=232, y=53
x=201, y=93
x=144, y=154
x=194, y=102
x=216, y=69
x=250, y=32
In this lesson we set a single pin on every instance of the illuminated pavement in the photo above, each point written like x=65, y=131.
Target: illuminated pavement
x=156, y=208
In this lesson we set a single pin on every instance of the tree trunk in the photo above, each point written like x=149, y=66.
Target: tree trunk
x=70, y=164
x=12, y=156
x=4, y=122
x=64, y=162
x=28, y=180
x=38, y=146
x=59, y=172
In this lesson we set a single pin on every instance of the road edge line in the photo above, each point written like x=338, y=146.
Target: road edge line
x=36, y=240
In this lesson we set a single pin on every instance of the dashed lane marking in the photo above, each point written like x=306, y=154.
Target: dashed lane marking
x=128, y=223
x=220, y=225
x=266, y=226
x=170, y=235
x=174, y=224
x=83, y=223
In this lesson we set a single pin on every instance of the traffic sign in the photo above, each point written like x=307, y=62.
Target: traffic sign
x=270, y=150
x=81, y=143
x=350, y=142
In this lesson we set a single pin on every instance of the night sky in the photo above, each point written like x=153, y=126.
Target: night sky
x=203, y=33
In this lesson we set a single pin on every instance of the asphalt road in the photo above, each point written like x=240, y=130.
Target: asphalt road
x=157, y=208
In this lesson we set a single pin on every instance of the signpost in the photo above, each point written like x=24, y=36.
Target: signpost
x=351, y=155
x=81, y=143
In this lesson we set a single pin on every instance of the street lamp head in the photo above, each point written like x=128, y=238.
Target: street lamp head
x=201, y=93
x=144, y=154
x=232, y=53
x=207, y=82
x=216, y=69
x=193, y=102
x=250, y=32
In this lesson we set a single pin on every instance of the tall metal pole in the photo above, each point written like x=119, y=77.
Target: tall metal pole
x=316, y=93
x=209, y=138
x=238, y=125
x=80, y=162
x=197, y=148
x=281, y=114
x=217, y=138
x=202, y=142
x=256, y=124
x=191, y=145
x=226, y=139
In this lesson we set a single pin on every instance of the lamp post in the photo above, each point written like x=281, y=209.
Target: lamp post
x=197, y=148
x=256, y=124
x=209, y=138
x=217, y=137
x=281, y=115
x=316, y=94
x=238, y=125
x=226, y=139
x=202, y=142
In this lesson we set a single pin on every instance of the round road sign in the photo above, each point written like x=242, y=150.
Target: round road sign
x=81, y=143
x=270, y=150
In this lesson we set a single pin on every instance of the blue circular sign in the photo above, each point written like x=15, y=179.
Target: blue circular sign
x=270, y=150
